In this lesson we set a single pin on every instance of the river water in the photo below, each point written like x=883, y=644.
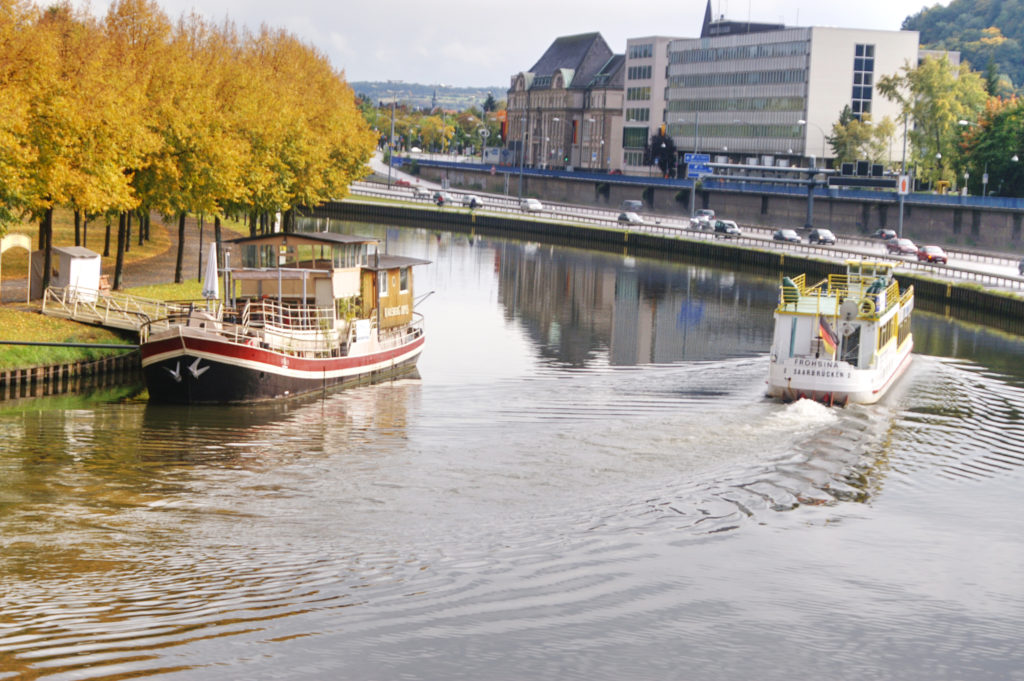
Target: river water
x=583, y=482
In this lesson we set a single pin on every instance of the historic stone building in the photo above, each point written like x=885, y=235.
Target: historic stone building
x=566, y=110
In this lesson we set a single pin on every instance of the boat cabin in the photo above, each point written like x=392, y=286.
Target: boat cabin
x=327, y=270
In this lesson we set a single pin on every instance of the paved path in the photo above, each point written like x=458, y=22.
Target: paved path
x=158, y=269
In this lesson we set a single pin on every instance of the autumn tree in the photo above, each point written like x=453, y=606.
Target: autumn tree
x=992, y=146
x=19, y=77
x=856, y=139
x=934, y=96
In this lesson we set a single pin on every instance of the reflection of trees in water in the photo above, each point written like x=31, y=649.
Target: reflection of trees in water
x=577, y=304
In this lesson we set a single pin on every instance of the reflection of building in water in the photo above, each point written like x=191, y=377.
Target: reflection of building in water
x=577, y=304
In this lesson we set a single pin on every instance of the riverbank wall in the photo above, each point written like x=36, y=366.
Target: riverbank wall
x=964, y=302
x=986, y=223
x=75, y=377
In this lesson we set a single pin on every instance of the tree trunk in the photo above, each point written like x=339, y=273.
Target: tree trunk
x=142, y=227
x=127, y=217
x=252, y=223
x=122, y=240
x=181, y=247
x=199, y=269
x=46, y=237
x=106, y=239
x=78, y=228
x=85, y=230
x=216, y=237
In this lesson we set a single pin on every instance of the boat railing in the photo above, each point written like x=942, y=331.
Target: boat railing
x=397, y=337
x=292, y=329
x=835, y=289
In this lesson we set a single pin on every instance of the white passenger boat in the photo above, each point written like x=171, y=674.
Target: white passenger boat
x=306, y=312
x=844, y=339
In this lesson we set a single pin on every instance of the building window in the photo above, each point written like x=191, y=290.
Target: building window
x=403, y=280
x=645, y=51
x=863, y=79
x=382, y=284
x=634, y=158
x=634, y=138
x=638, y=115
x=639, y=72
x=638, y=94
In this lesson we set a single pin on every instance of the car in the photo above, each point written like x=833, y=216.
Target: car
x=705, y=216
x=631, y=217
x=531, y=205
x=632, y=204
x=932, y=254
x=786, y=235
x=901, y=247
x=727, y=229
x=403, y=183
x=821, y=236
x=421, y=193
x=472, y=201
x=441, y=198
x=884, y=234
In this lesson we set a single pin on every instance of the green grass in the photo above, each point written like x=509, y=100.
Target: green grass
x=190, y=289
x=27, y=325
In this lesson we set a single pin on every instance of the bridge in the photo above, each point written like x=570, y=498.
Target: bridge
x=109, y=308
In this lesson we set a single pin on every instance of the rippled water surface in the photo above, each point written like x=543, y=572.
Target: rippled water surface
x=584, y=482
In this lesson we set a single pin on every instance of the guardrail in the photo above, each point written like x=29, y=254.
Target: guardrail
x=106, y=308
x=679, y=228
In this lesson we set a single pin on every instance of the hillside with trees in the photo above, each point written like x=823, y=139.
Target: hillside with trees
x=988, y=33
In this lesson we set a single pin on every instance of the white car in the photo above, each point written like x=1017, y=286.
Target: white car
x=631, y=217
x=531, y=205
x=472, y=201
x=421, y=193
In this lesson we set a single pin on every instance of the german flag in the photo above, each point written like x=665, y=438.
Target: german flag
x=828, y=336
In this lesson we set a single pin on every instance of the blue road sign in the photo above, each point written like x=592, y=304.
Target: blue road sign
x=697, y=170
x=696, y=158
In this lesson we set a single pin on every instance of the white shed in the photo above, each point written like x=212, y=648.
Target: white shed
x=71, y=267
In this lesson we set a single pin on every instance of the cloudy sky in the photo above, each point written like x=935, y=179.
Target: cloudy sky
x=474, y=43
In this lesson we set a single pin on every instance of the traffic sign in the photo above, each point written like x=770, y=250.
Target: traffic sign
x=696, y=158
x=697, y=169
x=903, y=185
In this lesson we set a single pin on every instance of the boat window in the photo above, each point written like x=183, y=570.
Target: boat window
x=403, y=279
x=249, y=254
x=382, y=284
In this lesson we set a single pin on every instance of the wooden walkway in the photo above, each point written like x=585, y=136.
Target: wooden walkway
x=109, y=308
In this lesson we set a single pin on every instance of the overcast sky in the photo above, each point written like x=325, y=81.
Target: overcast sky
x=481, y=44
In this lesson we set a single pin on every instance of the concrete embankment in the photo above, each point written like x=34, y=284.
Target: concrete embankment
x=963, y=302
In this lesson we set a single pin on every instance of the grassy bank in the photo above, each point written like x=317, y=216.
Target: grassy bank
x=19, y=324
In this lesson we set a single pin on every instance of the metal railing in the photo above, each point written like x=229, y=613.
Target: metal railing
x=672, y=227
x=106, y=308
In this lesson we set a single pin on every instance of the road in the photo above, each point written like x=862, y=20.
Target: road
x=989, y=270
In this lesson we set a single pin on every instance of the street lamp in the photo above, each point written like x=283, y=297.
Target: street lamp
x=522, y=152
x=805, y=123
x=484, y=134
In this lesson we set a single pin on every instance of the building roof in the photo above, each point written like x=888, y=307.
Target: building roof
x=390, y=262
x=612, y=74
x=300, y=237
x=579, y=57
x=76, y=251
x=720, y=26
